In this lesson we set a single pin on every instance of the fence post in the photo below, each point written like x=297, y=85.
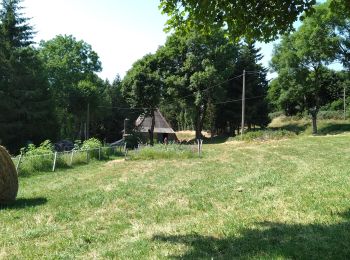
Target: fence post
x=19, y=162
x=200, y=144
x=199, y=147
x=54, y=162
x=201, y=140
x=87, y=156
x=71, y=158
x=126, y=153
x=99, y=153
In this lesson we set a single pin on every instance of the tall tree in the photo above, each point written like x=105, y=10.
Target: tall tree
x=193, y=68
x=142, y=87
x=26, y=109
x=249, y=59
x=69, y=62
x=300, y=60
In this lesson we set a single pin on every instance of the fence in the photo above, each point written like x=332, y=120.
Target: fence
x=26, y=164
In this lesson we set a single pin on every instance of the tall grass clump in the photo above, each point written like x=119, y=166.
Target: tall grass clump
x=161, y=151
x=36, y=159
x=266, y=135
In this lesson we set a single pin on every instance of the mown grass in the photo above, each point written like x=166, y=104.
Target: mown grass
x=265, y=200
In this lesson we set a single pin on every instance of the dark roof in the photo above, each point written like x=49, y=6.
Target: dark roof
x=161, y=125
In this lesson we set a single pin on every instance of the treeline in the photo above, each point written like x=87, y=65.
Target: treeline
x=51, y=90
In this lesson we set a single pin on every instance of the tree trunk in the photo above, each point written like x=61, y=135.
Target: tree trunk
x=314, y=121
x=152, y=129
x=199, y=120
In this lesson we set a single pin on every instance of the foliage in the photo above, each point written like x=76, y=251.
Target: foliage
x=256, y=113
x=26, y=104
x=142, y=87
x=71, y=66
x=37, y=159
x=91, y=143
x=193, y=67
x=259, y=20
x=45, y=147
x=300, y=61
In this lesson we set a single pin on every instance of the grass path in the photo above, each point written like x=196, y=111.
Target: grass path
x=281, y=199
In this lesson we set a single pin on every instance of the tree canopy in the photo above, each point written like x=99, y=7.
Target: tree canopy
x=259, y=20
x=254, y=20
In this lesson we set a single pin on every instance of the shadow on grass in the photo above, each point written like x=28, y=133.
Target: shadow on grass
x=293, y=127
x=333, y=129
x=24, y=203
x=216, y=140
x=271, y=240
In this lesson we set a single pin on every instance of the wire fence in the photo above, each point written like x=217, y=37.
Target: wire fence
x=27, y=164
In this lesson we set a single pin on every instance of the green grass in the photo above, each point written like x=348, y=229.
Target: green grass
x=161, y=151
x=266, y=200
x=303, y=125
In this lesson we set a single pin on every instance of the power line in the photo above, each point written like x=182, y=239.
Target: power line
x=236, y=100
x=143, y=108
x=221, y=83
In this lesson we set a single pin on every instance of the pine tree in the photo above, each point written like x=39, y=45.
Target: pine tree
x=26, y=113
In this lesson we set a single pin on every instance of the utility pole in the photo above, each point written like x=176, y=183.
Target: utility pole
x=88, y=121
x=344, y=99
x=243, y=104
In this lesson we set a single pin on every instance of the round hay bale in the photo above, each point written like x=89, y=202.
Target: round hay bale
x=8, y=178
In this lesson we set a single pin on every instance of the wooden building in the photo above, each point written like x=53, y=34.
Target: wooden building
x=162, y=129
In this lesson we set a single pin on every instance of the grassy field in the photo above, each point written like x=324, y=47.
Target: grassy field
x=276, y=199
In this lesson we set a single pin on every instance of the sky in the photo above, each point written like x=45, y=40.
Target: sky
x=120, y=31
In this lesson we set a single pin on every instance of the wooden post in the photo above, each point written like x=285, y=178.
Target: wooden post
x=243, y=105
x=19, y=162
x=126, y=154
x=87, y=156
x=99, y=153
x=71, y=158
x=199, y=147
x=54, y=162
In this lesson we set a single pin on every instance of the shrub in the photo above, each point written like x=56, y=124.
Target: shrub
x=91, y=143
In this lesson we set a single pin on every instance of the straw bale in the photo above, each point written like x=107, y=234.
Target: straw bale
x=8, y=178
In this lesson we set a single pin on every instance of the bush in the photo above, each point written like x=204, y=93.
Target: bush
x=265, y=135
x=91, y=143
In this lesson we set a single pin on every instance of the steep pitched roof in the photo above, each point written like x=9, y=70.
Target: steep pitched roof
x=161, y=125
